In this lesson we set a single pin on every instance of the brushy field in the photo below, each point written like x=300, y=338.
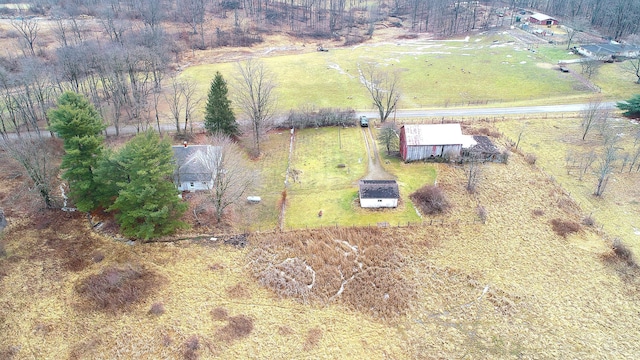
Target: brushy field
x=554, y=140
x=510, y=288
x=485, y=68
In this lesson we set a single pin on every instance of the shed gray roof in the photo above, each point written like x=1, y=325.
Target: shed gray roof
x=195, y=162
x=379, y=189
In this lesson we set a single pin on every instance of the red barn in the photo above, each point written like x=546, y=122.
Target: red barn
x=420, y=142
x=542, y=19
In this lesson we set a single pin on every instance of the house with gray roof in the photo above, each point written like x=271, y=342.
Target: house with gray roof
x=195, y=166
x=379, y=193
x=609, y=51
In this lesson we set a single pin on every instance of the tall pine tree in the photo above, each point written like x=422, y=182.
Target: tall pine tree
x=147, y=205
x=77, y=122
x=219, y=117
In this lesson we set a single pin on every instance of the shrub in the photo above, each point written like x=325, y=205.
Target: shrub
x=622, y=252
x=588, y=221
x=538, y=212
x=116, y=288
x=564, y=228
x=530, y=159
x=191, y=347
x=310, y=117
x=237, y=327
x=3, y=251
x=430, y=200
x=157, y=309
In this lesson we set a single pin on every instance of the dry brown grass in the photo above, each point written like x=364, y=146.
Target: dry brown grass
x=116, y=289
x=313, y=339
x=360, y=267
x=238, y=327
x=219, y=314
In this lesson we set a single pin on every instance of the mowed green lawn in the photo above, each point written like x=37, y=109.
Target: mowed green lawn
x=485, y=68
x=323, y=185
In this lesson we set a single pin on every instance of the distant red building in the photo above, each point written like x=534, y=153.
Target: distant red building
x=542, y=19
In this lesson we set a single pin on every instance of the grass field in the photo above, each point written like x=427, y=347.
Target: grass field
x=552, y=140
x=488, y=68
x=511, y=288
x=323, y=185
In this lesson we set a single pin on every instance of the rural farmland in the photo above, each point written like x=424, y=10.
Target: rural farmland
x=502, y=252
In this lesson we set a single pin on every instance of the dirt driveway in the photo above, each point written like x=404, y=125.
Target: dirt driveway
x=376, y=170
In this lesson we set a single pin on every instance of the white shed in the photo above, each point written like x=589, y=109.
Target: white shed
x=379, y=193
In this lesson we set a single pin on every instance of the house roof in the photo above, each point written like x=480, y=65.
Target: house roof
x=609, y=49
x=379, y=189
x=541, y=17
x=195, y=162
x=433, y=134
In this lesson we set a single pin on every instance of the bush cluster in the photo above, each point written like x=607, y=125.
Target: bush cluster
x=117, y=288
x=430, y=199
x=564, y=227
x=311, y=118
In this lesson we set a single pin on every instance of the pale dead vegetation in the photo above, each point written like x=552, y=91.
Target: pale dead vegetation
x=509, y=288
x=359, y=267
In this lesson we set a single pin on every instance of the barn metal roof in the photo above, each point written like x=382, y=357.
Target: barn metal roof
x=433, y=134
x=541, y=17
x=379, y=189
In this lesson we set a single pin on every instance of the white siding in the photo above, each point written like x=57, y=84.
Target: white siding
x=195, y=185
x=378, y=203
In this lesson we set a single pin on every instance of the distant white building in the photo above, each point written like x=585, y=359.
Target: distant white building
x=195, y=166
x=379, y=193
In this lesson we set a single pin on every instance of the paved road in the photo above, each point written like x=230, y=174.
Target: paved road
x=487, y=111
x=423, y=113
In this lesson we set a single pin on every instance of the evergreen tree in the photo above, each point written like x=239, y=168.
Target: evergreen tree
x=77, y=122
x=630, y=107
x=147, y=204
x=219, y=117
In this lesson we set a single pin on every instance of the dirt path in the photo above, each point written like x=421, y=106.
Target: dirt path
x=376, y=171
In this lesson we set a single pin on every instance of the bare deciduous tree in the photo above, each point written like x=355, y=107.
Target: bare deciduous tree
x=605, y=167
x=254, y=94
x=590, y=68
x=28, y=29
x=383, y=87
x=232, y=178
x=36, y=157
x=632, y=66
x=593, y=115
x=473, y=171
x=388, y=137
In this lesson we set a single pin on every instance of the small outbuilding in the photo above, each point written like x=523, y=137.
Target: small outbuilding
x=379, y=193
x=195, y=166
x=542, y=19
x=425, y=141
x=481, y=149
